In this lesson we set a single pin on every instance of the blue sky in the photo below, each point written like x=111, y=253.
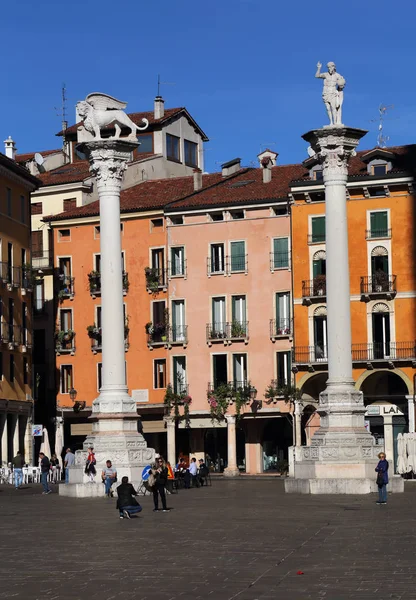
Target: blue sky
x=243, y=68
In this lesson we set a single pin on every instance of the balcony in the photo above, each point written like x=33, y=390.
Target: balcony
x=65, y=342
x=10, y=276
x=279, y=261
x=166, y=335
x=95, y=334
x=310, y=355
x=66, y=287
x=227, y=333
x=94, y=282
x=380, y=285
x=177, y=269
x=26, y=279
x=280, y=328
x=314, y=290
x=372, y=234
x=42, y=259
x=11, y=335
x=228, y=265
x=316, y=238
x=230, y=389
x=156, y=279
x=387, y=352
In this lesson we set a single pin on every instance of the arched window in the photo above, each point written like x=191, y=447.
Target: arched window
x=381, y=330
x=320, y=337
x=319, y=263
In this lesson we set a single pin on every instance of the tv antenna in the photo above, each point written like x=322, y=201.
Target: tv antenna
x=381, y=138
x=62, y=112
x=159, y=83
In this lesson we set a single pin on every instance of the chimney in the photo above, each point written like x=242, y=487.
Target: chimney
x=159, y=107
x=10, y=148
x=266, y=163
x=230, y=167
x=197, y=179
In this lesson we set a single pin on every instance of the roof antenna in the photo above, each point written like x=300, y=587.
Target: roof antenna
x=159, y=83
x=381, y=138
x=62, y=113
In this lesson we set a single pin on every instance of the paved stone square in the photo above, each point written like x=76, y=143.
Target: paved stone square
x=241, y=539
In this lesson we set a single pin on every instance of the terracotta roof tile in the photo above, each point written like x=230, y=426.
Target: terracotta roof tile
x=70, y=173
x=20, y=158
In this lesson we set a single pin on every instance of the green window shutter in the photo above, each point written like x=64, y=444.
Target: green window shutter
x=318, y=229
x=238, y=258
x=281, y=253
x=378, y=223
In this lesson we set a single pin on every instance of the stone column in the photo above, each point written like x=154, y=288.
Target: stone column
x=411, y=413
x=14, y=434
x=298, y=423
x=388, y=440
x=114, y=435
x=232, y=469
x=171, y=441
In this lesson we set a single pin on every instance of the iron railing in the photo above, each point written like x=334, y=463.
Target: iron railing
x=280, y=327
x=377, y=233
x=94, y=280
x=310, y=354
x=279, y=260
x=155, y=278
x=314, y=288
x=11, y=334
x=180, y=388
x=234, y=330
x=64, y=342
x=26, y=337
x=42, y=259
x=384, y=351
x=316, y=238
x=10, y=275
x=66, y=286
x=177, y=269
x=97, y=340
x=234, y=387
x=226, y=265
x=380, y=283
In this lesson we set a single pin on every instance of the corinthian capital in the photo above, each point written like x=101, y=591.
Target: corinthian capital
x=108, y=161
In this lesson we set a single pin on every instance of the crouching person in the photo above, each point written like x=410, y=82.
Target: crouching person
x=126, y=502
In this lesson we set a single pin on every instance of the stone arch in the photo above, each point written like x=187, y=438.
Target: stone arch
x=380, y=307
x=379, y=251
x=398, y=372
x=320, y=311
x=311, y=385
x=320, y=255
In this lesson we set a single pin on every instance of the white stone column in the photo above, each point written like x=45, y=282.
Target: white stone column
x=171, y=441
x=411, y=413
x=388, y=438
x=232, y=469
x=298, y=423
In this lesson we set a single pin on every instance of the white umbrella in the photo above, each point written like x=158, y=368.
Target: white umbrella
x=401, y=454
x=413, y=447
x=59, y=441
x=45, y=446
x=409, y=452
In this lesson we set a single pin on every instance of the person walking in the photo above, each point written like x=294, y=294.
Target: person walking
x=69, y=462
x=90, y=465
x=55, y=468
x=193, y=470
x=160, y=471
x=203, y=472
x=382, y=478
x=109, y=476
x=126, y=502
x=18, y=469
x=45, y=467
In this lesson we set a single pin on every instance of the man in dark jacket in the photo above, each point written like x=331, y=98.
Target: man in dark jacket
x=45, y=466
x=18, y=469
x=126, y=502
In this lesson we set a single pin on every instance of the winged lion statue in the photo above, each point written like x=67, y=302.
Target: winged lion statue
x=99, y=110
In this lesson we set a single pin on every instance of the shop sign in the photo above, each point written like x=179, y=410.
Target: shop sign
x=373, y=410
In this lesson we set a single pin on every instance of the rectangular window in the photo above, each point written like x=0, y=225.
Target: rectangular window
x=318, y=229
x=9, y=262
x=65, y=318
x=379, y=224
x=146, y=143
x=9, y=201
x=280, y=211
x=282, y=313
x=318, y=175
x=178, y=321
x=37, y=244
x=11, y=370
x=177, y=261
x=39, y=291
x=172, y=147
x=23, y=209
x=283, y=368
x=217, y=258
x=64, y=235
x=237, y=214
x=69, y=204
x=379, y=169
x=66, y=378
x=177, y=220
x=238, y=256
x=217, y=216
x=239, y=370
x=239, y=325
x=156, y=224
x=97, y=232
x=159, y=373
x=218, y=317
x=281, y=253
x=36, y=208
x=219, y=370
x=25, y=371
x=179, y=374
x=99, y=376
x=191, y=153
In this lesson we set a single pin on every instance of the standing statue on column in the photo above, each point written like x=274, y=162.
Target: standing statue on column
x=332, y=94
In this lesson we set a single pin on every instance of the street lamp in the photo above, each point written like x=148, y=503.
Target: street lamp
x=253, y=393
x=73, y=394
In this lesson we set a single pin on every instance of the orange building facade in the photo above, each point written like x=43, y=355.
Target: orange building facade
x=381, y=218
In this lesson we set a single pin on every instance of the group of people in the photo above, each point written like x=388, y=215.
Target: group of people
x=194, y=474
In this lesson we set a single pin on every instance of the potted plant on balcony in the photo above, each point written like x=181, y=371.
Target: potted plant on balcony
x=152, y=279
x=94, y=281
x=93, y=331
x=126, y=282
x=380, y=281
x=241, y=397
x=219, y=400
x=238, y=329
x=62, y=337
x=319, y=285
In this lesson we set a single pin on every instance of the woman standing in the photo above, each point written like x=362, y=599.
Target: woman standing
x=90, y=465
x=382, y=478
x=160, y=471
x=55, y=468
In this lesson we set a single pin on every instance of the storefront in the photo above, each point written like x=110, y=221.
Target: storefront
x=385, y=421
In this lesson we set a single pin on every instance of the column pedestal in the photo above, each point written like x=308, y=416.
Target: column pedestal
x=232, y=469
x=115, y=434
x=343, y=455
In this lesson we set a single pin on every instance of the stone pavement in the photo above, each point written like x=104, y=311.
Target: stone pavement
x=243, y=540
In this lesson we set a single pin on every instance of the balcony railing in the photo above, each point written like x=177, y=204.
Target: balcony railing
x=27, y=279
x=155, y=279
x=66, y=287
x=11, y=334
x=168, y=335
x=42, y=259
x=97, y=340
x=94, y=280
x=233, y=387
x=316, y=238
x=389, y=351
x=227, y=265
x=65, y=342
x=280, y=328
x=11, y=276
x=314, y=289
x=279, y=260
x=180, y=388
x=310, y=354
x=371, y=234
x=227, y=331
x=380, y=284
x=177, y=269
x=177, y=334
